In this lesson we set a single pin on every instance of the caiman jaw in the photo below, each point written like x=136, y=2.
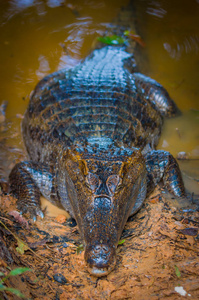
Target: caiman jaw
x=100, y=259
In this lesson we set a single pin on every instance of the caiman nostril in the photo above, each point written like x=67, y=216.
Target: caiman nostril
x=101, y=249
x=100, y=259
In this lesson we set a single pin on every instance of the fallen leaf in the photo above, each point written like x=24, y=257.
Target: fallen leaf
x=21, y=247
x=111, y=40
x=121, y=242
x=132, y=35
x=178, y=274
x=18, y=271
x=189, y=231
x=80, y=248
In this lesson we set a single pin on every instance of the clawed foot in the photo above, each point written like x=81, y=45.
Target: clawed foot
x=33, y=211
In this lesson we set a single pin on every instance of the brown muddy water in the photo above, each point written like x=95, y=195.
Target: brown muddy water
x=39, y=37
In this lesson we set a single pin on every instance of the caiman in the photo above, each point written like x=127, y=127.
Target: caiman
x=91, y=134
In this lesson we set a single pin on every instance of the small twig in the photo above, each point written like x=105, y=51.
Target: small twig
x=185, y=248
x=178, y=132
x=193, y=221
x=190, y=177
x=6, y=219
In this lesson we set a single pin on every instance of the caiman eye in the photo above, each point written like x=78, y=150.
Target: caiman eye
x=113, y=182
x=92, y=181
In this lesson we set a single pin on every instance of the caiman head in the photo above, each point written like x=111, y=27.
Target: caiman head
x=103, y=193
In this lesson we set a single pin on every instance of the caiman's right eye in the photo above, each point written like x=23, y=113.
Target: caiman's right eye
x=114, y=183
x=92, y=181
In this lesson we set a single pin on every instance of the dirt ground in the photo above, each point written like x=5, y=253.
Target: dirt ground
x=158, y=257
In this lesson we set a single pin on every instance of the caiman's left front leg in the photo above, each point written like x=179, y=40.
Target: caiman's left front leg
x=161, y=165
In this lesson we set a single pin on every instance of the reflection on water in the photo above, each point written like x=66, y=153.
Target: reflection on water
x=39, y=37
x=44, y=68
x=189, y=44
x=154, y=8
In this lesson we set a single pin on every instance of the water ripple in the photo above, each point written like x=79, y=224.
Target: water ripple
x=188, y=45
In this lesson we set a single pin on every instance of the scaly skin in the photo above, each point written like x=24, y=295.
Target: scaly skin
x=91, y=134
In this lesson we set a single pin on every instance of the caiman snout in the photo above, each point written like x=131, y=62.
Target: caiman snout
x=100, y=259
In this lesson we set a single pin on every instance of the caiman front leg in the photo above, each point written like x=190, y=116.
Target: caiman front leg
x=27, y=181
x=155, y=94
x=161, y=165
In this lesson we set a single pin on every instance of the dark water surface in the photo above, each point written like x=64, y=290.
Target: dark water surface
x=39, y=37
